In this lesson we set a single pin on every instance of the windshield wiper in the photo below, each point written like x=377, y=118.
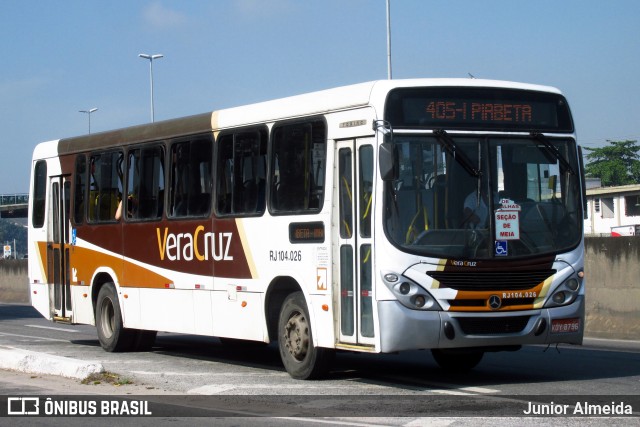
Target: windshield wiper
x=449, y=145
x=553, y=150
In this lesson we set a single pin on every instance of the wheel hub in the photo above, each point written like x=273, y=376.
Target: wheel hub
x=296, y=336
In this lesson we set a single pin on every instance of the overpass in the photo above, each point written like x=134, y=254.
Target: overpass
x=14, y=205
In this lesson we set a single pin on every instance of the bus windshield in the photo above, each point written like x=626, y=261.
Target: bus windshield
x=483, y=197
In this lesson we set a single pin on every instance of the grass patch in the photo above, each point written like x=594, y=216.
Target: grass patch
x=107, y=378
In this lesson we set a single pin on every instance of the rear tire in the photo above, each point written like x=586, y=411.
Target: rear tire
x=301, y=359
x=457, y=360
x=111, y=333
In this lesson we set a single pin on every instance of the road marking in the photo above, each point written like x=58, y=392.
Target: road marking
x=175, y=374
x=452, y=392
x=480, y=390
x=212, y=389
x=52, y=328
x=443, y=388
x=466, y=391
x=30, y=336
x=332, y=422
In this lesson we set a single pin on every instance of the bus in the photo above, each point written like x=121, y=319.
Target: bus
x=437, y=214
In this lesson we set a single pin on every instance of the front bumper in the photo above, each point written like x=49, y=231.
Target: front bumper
x=405, y=329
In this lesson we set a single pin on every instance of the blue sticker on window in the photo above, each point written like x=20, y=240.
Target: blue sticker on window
x=501, y=248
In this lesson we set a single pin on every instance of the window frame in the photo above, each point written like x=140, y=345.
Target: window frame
x=119, y=164
x=80, y=189
x=272, y=203
x=126, y=190
x=170, y=190
x=39, y=191
x=221, y=171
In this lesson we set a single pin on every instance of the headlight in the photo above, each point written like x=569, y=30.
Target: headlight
x=573, y=284
x=559, y=297
x=566, y=293
x=409, y=293
x=404, y=288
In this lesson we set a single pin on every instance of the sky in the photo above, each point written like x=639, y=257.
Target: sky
x=62, y=56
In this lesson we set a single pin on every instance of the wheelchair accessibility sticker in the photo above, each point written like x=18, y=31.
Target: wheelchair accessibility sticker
x=501, y=248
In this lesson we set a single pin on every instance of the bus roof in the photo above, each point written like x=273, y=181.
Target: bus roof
x=314, y=103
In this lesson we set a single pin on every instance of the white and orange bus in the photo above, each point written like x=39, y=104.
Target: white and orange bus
x=441, y=214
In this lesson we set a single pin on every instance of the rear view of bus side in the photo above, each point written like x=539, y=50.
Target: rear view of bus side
x=440, y=214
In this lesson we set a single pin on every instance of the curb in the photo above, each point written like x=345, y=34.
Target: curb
x=611, y=344
x=47, y=364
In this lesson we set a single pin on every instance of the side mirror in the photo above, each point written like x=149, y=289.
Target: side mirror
x=388, y=154
x=388, y=161
x=584, y=183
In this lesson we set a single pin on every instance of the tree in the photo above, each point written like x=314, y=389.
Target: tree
x=615, y=164
x=10, y=232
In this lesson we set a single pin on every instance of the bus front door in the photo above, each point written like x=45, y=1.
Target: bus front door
x=353, y=248
x=58, y=273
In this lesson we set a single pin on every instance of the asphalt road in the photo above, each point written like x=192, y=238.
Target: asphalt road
x=188, y=375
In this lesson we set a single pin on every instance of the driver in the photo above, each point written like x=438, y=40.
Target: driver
x=476, y=212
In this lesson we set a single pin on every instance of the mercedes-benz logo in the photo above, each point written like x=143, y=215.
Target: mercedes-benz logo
x=495, y=302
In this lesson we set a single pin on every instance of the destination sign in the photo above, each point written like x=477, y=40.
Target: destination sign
x=306, y=232
x=478, y=108
x=479, y=111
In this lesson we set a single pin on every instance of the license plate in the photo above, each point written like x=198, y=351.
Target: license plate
x=562, y=326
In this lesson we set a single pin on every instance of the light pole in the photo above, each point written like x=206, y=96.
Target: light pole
x=388, y=40
x=88, y=113
x=151, y=58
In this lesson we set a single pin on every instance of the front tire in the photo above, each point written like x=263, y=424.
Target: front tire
x=111, y=333
x=301, y=359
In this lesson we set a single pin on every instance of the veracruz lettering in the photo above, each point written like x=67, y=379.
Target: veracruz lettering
x=200, y=245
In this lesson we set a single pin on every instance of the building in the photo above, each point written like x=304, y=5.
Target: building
x=613, y=211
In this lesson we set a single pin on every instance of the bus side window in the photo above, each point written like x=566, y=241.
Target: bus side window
x=39, y=194
x=190, y=191
x=145, y=183
x=224, y=175
x=105, y=185
x=80, y=188
x=298, y=160
x=241, y=173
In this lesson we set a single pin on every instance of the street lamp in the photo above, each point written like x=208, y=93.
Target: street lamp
x=151, y=58
x=388, y=40
x=88, y=113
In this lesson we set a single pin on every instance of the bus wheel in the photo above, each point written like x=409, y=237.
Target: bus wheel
x=457, y=360
x=112, y=335
x=301, y=359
